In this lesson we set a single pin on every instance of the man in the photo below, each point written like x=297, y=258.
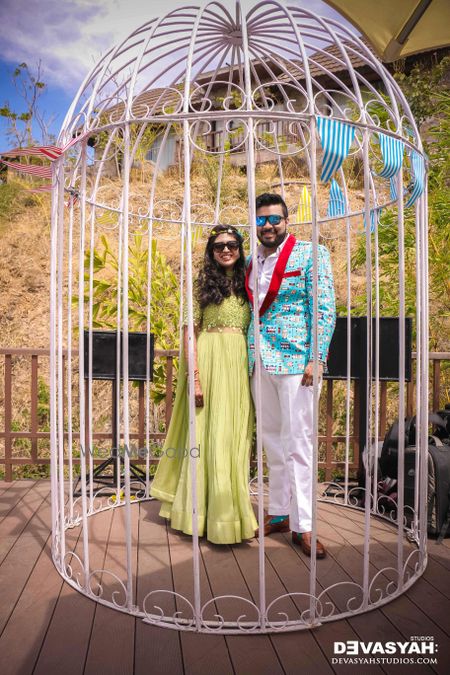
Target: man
x=284, y=267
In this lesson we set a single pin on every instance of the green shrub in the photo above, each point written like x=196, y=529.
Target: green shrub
x=164, y=304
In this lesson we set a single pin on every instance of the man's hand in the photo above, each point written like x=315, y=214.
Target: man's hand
x=308, y=376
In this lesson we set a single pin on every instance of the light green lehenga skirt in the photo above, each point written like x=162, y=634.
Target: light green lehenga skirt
x=224, y=427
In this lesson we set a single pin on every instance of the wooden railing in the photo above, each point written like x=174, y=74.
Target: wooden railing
x=33, y=435
x=328, y=462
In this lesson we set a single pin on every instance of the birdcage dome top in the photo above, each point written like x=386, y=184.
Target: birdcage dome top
x=213, y=61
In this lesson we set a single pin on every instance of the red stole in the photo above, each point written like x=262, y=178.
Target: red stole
x=277, y=275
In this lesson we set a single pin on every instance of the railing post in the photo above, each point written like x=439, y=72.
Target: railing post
x=141, y=415
x=8, y=418
x=34, y=408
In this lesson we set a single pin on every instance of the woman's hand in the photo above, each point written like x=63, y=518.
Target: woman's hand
x=198, y=393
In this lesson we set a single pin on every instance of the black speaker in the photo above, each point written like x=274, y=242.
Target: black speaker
x=389, y=350
x=104, y=354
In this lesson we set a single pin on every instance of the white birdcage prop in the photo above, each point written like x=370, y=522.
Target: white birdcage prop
x=301, y=106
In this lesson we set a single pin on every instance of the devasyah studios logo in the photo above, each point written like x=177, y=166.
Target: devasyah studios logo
x=419, y=650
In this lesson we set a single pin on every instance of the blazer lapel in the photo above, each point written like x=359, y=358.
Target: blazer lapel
x=277, y=276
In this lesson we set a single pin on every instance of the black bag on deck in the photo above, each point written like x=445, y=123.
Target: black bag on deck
x=389, y=451
x=445, y=416
x=438, y=488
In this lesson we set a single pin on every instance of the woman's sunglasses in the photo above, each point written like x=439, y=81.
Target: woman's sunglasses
x=230, y=245
x=273, y=220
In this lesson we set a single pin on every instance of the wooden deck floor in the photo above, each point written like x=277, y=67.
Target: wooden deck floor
x=49, y=629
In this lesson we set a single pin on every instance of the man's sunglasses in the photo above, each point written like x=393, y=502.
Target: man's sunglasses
x=273, y=220
x=230, y=245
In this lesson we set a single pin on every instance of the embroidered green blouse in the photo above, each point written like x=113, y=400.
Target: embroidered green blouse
x=231, y=313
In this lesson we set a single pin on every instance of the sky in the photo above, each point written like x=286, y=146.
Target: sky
x=68, y=37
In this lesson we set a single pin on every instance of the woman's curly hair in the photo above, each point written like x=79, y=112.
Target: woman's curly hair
x=213, y=285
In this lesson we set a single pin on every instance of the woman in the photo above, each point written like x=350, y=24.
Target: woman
x=224, y=412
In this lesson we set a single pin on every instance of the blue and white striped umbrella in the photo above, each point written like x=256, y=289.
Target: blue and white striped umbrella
x=336, y=138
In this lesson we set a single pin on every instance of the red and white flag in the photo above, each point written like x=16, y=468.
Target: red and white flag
x=50, y=152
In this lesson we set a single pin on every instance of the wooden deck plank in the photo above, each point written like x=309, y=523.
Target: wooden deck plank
x=247, y=653
x=5, y=486
x=303, y=652
x=49, y=624
x=344, y=555
x=21, y=559
x=339, y=631
x=199, y=651
x=372, y=625
x=343, y=564
x=330, y=570
x=431, y=591
x=155, y=645
x=74, y=613
x=111, y=648
x=403, y=613
x=20, y=515
x=410, y=620
x=437, y=576
x=446, y=543
x=441, y=552
x=23, y=635
x=13, y=495
x=247, y=559
x=423, y=593
x=26, y=626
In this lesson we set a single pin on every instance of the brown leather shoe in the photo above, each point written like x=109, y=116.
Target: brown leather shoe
x=270, y=528
x=303, y=539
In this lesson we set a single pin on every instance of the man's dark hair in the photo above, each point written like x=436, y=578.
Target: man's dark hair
x=269, y=198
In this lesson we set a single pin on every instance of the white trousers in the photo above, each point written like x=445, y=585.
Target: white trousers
x=287, y=435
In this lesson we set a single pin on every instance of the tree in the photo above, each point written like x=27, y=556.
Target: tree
x=23, y=123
